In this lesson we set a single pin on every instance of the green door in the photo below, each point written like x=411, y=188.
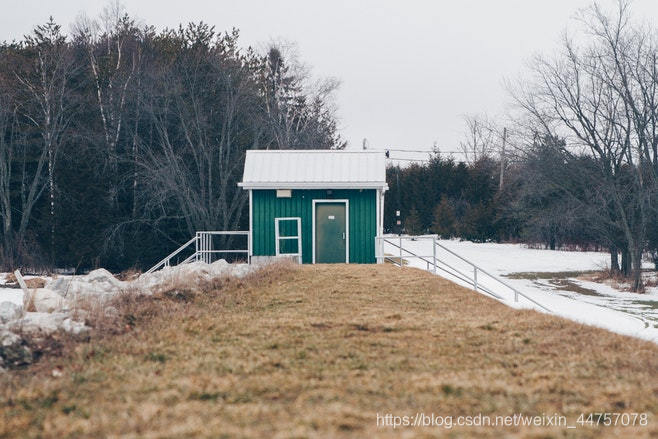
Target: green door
x=330, y=233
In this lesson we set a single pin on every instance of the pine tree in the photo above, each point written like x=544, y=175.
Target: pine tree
x=444, y=219
x=412, y=223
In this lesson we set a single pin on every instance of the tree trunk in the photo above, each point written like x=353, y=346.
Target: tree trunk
x=625, y=262
x=614, y=259
x=636, y=261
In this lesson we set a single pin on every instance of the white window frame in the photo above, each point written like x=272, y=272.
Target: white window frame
x=278, y=237
x=347, y=226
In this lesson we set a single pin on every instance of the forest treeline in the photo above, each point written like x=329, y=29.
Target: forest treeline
x=118, y=142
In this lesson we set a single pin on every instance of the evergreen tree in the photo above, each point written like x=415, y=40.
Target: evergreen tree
x=412, y=224
x=445, y=221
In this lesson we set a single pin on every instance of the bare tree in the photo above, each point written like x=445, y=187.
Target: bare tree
x=114, y=54
x=204, y=122
x=480, y=138
x=8, y=140
x=300, y=111
x=602, y=98
x=44, y=102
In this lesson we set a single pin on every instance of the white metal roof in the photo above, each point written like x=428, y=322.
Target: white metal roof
x=314, y=169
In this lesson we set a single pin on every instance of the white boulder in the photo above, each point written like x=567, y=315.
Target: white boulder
x=9, y=311
x=76, y=328
x=34, y=323
x=240, y=270
x=98, y=284
x=43, y=323
x=219, y=268
x=47, y=300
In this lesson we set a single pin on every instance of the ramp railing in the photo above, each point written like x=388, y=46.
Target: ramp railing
x=438, y=264
x=204, y=248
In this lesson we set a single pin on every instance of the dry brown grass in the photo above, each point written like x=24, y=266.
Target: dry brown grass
x=617, y=280
x=35, y=282
x=129, y=274
x=319, y=351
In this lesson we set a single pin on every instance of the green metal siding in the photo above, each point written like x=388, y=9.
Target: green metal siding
x=362, y=220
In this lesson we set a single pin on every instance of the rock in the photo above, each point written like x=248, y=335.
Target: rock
x=47, y=300
x=43, y=323
x=219, y=268
x=189, y=275
x=10, y=311
x=104, y=280
x=34, y=323
x=240, y=270
x=75, y=328
x=13, y=351
x=98, y=285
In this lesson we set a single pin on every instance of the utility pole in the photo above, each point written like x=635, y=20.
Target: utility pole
x=502, y=161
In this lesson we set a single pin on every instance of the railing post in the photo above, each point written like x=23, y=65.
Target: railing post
x=210, y=248
x=400, y=251
x=475, y=278
x=516, y=296
x=434, y=253
x=196, y=247
x=204, y=245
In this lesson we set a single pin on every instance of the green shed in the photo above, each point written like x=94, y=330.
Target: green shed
x=321, y=206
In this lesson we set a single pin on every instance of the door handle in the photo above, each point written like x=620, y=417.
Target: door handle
x=343, y=236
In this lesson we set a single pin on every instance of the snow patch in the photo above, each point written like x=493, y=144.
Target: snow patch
x=625, y=313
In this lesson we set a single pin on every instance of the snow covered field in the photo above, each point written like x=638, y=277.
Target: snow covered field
x=546, y=277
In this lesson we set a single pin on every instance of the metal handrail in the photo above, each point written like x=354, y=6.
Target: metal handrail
x=460, y=275
x=203, y=248
x=165, y=262
x=517, y=293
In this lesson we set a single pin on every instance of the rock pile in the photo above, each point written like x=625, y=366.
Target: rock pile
x=57, y=301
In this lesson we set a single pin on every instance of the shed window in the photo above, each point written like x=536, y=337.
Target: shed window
x=288, y=237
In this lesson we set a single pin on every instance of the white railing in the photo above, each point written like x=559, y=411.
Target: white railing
x=204, y=249
x=436, y=263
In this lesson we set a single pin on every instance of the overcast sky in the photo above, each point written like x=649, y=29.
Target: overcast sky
x=409, y=70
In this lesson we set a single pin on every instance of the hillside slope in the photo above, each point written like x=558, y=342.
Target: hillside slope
x=321, y=351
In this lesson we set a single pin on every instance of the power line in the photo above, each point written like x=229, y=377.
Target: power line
x=419, y=151
x=409, y=160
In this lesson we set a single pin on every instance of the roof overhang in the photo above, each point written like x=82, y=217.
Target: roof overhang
x=313, y=185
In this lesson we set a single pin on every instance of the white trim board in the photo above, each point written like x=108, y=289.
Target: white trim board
x=251, y=226
x=313, y=185
x=298, y=237
x=347, y=226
